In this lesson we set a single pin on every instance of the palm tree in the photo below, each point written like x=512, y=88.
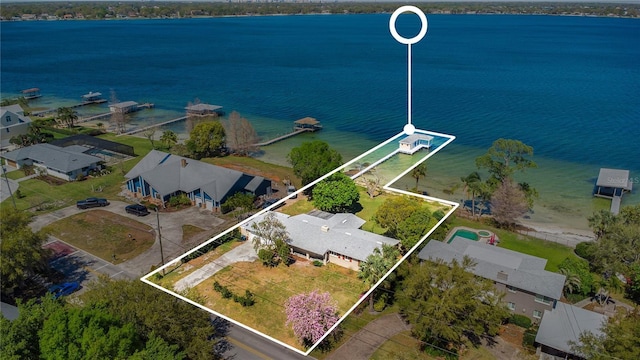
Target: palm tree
x=572, y=281
x=474, y=187
x=67, y=116
x=418, y=172
x=376, y=265
x=169, y=138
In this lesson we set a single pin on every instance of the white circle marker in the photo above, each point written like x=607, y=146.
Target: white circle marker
x=409, y=128
x=394, y=17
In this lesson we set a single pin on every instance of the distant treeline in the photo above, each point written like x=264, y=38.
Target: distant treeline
x=113, y=10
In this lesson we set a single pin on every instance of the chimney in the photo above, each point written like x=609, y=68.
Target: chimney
x=325, y=228
x=183, y=162
x=503, y=276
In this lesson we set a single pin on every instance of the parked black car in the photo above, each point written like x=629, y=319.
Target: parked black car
x=137, y=209
x=91, y=203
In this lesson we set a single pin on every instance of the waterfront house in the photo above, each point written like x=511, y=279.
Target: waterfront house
x=159, y=176
x=563, y=326
x=415, y=142
x=529, y=289
x=330, y=238
x=65, y=163
x=13, y=122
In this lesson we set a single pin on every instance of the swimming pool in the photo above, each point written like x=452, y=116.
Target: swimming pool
x=471, y=235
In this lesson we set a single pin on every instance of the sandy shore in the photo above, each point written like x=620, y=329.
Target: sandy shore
x=556, y=233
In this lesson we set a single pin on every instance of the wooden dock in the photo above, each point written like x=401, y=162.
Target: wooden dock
x=285, y=136
x=138, y=130
x=84, y=103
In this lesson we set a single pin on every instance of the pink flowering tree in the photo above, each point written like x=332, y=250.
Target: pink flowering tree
x=311, y=315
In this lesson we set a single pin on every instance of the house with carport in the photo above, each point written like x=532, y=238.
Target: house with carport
x=160, y=176
x=529, y=289
x=67, y=163
x=330, y=238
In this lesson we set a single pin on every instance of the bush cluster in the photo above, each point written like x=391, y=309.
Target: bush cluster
x=520, y=320
x=246, y=300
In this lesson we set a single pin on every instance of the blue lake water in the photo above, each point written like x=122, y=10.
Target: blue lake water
x=568, y=86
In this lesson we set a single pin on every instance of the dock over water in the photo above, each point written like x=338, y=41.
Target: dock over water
x=138, y=130
x=307, y=124
x=613, y=184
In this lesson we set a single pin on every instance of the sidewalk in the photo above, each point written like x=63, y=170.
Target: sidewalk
x=366, y=341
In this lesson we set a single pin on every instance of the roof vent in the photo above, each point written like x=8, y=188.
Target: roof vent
x=325, y=228
x=503, y=276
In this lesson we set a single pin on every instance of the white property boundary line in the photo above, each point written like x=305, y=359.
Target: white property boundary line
x=454, y=206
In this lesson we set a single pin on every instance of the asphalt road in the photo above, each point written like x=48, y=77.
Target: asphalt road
x=249, y=346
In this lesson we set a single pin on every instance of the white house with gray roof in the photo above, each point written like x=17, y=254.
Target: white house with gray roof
x=562, y=327
x=66, y=163
x=13, y=122
x=159, y=176
x=335, y=238
x=529, y=288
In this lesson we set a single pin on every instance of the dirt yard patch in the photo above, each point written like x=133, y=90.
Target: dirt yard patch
x=109, y=236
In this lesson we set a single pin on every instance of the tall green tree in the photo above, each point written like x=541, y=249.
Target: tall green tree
x=66, y=116
x=505, y=157
x=474, y=187
x=313, y=159
x=414, y=227
x=337, y=193
x=155, y=313
x=376, y=265
x=419, y=172
x=394, y=211
x=21, y=252
x=206, y=139
x=169, y=138
x=446, y=304
x=271, y=235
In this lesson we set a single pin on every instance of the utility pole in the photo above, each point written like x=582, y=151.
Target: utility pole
x=4, y=172
x=160, y=239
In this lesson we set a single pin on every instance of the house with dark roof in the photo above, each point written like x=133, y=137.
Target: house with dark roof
x=561, y=327
x=334, y=238
x=529, y=289
x=13, y=122
x=159, y=176
x=66, y=163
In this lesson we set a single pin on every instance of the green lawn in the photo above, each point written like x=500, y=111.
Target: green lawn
x=16, y=174
x=553, y=252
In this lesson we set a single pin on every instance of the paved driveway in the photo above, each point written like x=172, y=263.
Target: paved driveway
x=244, y=252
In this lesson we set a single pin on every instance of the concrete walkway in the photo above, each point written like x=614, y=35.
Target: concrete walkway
x=244, y=252
x=366, y=341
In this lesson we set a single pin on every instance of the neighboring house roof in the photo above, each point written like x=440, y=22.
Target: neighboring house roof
x=563, y=325
x=54, y=157
x=416, y=137
x=15, y=113
x=168, y=173
x=522, y=271
x=341, y=234
x=9, y=311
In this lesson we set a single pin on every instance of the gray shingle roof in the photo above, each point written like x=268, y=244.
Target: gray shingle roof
x=565, y=323
x=343, y=235
x=54, y=157
x=523, y=271
x=165, y=173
